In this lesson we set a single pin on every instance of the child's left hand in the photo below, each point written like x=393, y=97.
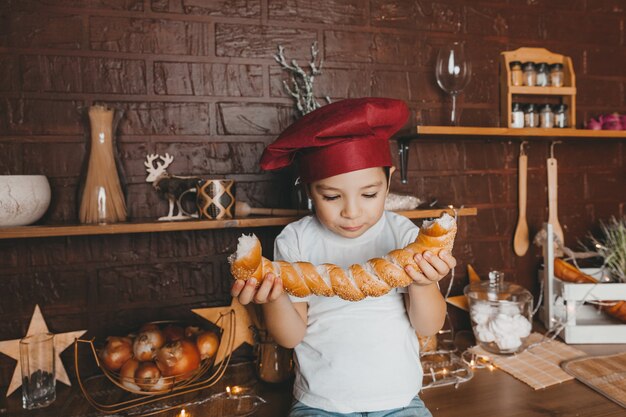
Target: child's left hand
x=433, y=267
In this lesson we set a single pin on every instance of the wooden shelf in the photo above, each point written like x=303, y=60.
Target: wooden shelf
x=155, y=226
x=506, y=132
x=543, y=91
x=502, y=133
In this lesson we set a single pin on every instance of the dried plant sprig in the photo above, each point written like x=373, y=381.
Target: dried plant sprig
x=612, y=247
x=302, y=82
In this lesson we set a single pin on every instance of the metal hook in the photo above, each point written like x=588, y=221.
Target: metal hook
x=522, y=151
x=552, y=147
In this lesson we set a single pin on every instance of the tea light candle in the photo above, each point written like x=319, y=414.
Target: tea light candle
x=184, y=413
x=234, y=390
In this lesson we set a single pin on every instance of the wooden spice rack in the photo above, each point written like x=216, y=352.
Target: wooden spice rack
x=553, y=95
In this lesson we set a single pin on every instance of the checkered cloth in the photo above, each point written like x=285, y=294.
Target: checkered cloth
x=537, y=366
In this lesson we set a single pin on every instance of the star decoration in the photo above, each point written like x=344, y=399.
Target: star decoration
x=242, y=331
x=61, y=342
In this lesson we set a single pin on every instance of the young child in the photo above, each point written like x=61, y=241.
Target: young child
x=351, y=357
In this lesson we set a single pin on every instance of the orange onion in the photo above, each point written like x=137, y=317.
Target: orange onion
x=164, y=383
x=207, y=343
x=147, y=343
x=147, y=375
x=116, y=352
x=191, y=331
x=173, y=333
x=179, y=358
x=127, y=374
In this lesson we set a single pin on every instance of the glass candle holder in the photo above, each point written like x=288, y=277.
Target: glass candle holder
x=38, y=370
x=274, y=363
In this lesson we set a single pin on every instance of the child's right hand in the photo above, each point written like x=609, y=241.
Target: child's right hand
x=247, y=291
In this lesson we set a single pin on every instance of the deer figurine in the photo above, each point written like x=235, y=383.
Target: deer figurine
x=174, y=187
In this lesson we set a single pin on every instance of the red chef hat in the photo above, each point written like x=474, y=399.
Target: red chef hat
x=340, y=137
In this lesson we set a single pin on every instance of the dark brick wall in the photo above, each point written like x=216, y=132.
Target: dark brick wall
x=196, y=78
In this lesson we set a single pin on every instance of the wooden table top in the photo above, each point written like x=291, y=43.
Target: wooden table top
x=496, y=393
x=487, y=394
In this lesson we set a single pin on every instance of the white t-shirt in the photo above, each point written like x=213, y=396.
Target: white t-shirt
x=355, y=356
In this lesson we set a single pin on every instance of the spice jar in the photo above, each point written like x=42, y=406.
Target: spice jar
x=560, y=116
x=530, y=74
x=543, y=75
x=556, y=75
x=546, y=116
x=516, y=73
x=531, y=116
x=501, y=314
x=517, y=115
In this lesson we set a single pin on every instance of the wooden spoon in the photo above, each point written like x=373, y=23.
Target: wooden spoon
x=520, y=238
x=243, y=209
x=552, y=202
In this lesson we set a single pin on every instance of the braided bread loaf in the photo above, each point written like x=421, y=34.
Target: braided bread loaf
x=373, y=278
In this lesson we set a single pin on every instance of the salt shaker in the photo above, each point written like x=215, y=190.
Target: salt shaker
x=560, y=116
x=556, y=75
x=546, y=117
x=516, y=73
x=517, y=115
x=530, y=74
x=531, y=116
x=543, y=75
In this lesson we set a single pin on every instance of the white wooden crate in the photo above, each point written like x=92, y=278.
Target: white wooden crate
x=563, y=303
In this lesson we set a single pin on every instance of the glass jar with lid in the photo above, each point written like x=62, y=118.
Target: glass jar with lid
x=501, y=314
x=517, y=115
x=560, y=116
x=531, y=115
x=546, y=116
x=543, y=74
x=529, y=74
x=556, y=75
x=516, y=73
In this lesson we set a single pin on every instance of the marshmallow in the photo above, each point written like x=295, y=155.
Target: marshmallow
x=510, y=342
x=481, y=312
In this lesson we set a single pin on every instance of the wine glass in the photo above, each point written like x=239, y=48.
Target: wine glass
x=453, y=72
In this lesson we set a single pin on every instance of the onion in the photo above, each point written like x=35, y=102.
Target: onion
x=207, y=343
x=147, y=343
x=146, y=375
x=164, y=383
x=173, y=333
x=191, y=331
x=178, y=358
x=127, y=374
x=116, y=352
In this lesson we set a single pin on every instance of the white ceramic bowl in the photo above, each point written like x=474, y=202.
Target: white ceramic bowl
x=23, y=199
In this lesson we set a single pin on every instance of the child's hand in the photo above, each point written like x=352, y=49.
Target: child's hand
x=247, y=291
x=433, y=268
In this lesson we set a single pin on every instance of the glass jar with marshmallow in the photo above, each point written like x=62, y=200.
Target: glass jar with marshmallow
x=501, y=314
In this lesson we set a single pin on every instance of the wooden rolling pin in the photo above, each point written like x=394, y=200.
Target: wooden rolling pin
x=244, y=210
